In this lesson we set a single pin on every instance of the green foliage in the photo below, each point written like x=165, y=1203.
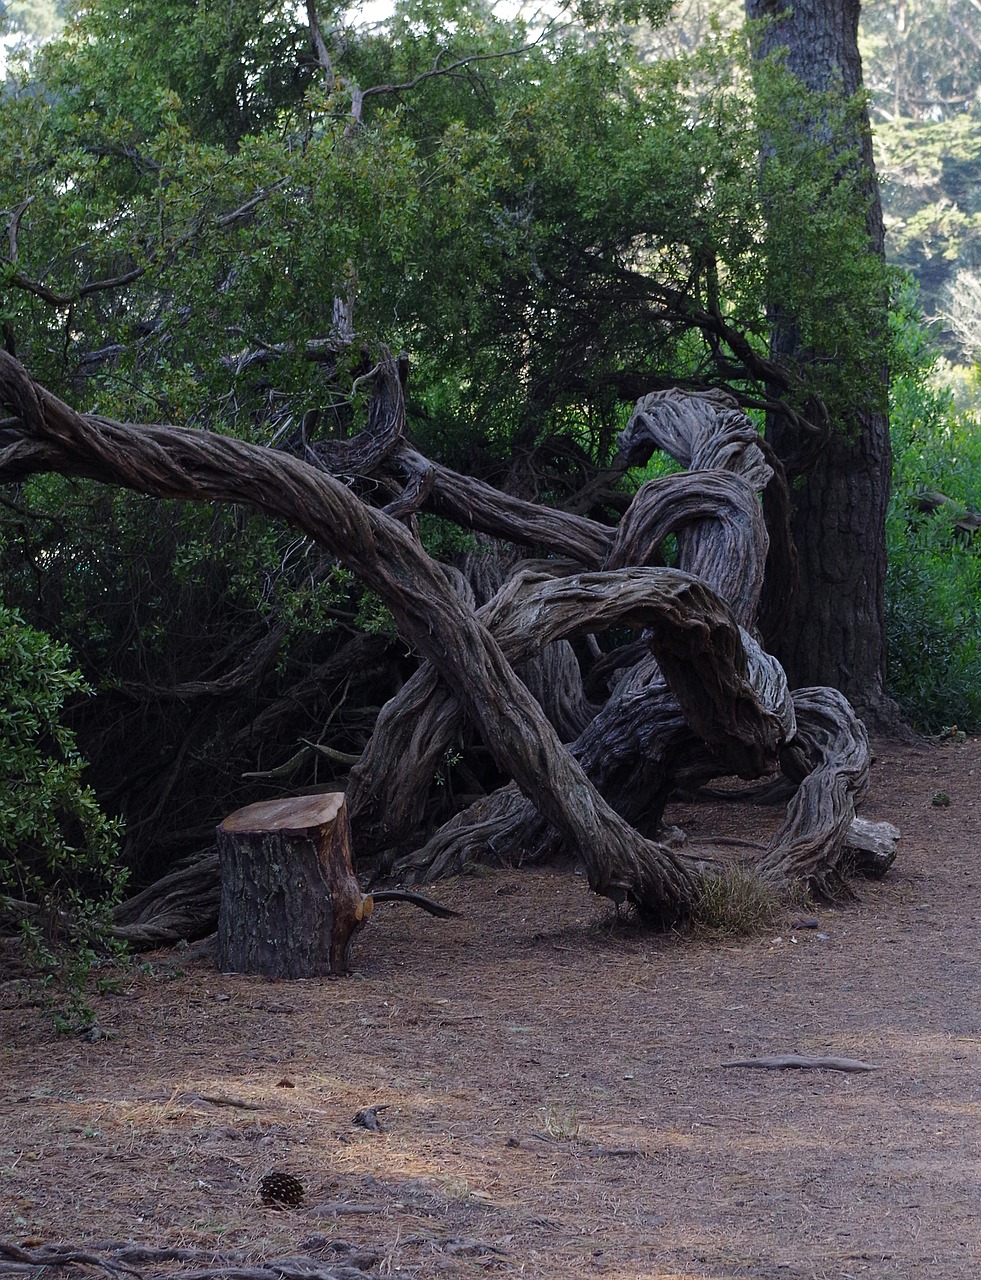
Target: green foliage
x=922, y=58
x=131, y=564
x=822, y=272
x=690, y=24
x=613, y=13
x=226, y=69
x=933, y=588
x=59, y=858
x=589, y=208
x=374, y=616
x=442, y=539
x=922, y=63
x=933, y=198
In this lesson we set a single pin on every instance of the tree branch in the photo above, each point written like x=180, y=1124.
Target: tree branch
x=436, y=70
x=321, y=52
x=13, y=226
x=55, y=299
x=173, y=462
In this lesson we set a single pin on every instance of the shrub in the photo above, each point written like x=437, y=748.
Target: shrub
x=59, y=871
x=933, y=588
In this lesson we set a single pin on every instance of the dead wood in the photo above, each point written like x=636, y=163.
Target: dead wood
x=640, y=744
x=173, y=462
x=290, y=902
x=964, y=520
x=368, y=1118
x=729, y=689
x=223, y=1100
x=555, y=680
x=702, y=430
x=794, y=1061
x=183, y=905
x=338, y=1208
x=261, y=651
x=871, y=847
x=715, y=503
x=490, y=829
x=831, y=749
x=415, y=899
x=722, y=540
x=479, y=506
x=362, y=658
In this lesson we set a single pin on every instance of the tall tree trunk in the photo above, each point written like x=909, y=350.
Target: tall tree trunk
x=833, y=633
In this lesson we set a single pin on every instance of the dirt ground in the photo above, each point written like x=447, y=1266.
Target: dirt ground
x=556, y=1098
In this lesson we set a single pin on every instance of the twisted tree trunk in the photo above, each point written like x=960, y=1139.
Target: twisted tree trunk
x=705, y=700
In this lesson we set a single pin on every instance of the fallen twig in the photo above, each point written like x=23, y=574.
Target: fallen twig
x=787, y=1061
x=224, y=1100
x=336, y=1208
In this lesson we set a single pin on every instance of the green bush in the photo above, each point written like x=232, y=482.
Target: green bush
x=933, y=590
x=59, y=871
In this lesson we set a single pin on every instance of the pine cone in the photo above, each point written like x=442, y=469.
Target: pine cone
x=281, y=1190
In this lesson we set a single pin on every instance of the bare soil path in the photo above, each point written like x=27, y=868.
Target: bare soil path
x=557, y=1103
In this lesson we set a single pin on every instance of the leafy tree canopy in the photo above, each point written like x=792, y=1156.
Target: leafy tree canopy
x=591, y=212
x=922, y=58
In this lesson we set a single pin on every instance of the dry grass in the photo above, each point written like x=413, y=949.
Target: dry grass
x=735, y=900
x=560, y=1123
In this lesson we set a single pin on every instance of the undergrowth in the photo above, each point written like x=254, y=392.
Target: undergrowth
x=736, y=900
x=933, y=588
x=59, y=862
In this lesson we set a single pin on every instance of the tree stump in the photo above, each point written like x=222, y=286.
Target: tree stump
x=290, y=901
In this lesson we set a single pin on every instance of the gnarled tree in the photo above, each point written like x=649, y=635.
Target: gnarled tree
x=168, y=256
x=698, y=699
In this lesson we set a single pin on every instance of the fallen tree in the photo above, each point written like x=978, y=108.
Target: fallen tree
x=699, y=698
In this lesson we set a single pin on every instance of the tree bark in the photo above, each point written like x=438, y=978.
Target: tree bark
x=834, y=628
x=640, y=745
x=180, y=905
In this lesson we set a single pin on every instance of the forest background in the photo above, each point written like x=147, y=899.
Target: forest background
x=164, y=145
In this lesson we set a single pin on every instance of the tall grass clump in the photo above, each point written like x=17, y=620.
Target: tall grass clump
x=736, y=900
